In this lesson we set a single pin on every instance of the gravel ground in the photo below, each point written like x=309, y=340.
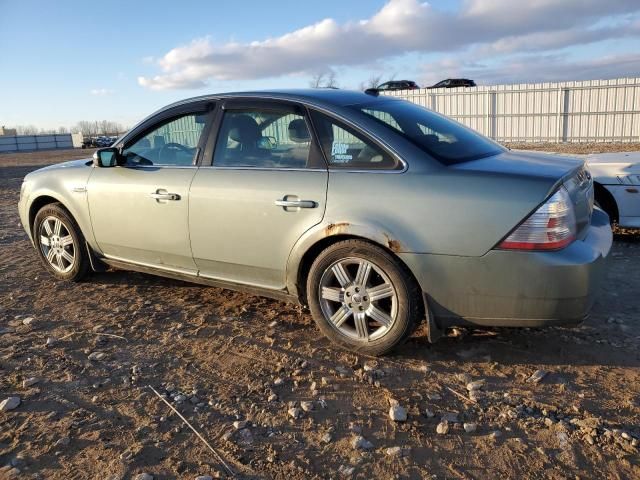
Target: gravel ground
x=276, y=400
x=578, y=148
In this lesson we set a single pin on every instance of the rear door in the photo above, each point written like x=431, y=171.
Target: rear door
x=264, y=186
x=139, y=208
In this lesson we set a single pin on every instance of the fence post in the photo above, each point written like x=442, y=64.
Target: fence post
x=493, y=103
x=563, y=112
x=490, y=114
x=565, y=115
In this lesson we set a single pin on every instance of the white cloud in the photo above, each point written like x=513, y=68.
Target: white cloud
x=487, y=27
x=101, y=92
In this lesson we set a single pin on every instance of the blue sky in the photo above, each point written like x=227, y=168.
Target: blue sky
x=62, y=62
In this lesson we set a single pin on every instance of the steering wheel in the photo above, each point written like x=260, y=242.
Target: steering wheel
x=168, y=147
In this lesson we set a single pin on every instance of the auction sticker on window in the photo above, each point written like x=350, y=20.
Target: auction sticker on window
x=339, y=153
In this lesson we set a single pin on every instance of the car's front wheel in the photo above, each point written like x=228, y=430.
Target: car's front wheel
x=60, y=243
x=362, y=298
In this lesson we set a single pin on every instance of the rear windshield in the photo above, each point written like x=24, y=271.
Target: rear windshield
x=446, y=140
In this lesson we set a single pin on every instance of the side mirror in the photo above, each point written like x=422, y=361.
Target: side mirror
x=106, y=157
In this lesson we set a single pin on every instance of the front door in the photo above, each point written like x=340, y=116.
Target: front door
x=265, y=187
x=139, y=209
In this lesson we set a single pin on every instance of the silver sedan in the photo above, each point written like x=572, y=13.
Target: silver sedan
x=376, y=213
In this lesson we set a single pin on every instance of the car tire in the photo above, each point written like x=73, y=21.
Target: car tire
x=60, y=243
x=362, y=298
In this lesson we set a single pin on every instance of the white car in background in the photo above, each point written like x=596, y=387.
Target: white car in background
x=616, y=181
x=616, y=184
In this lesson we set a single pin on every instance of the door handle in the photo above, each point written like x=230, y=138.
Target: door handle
x=296, y=203
x=164, y=196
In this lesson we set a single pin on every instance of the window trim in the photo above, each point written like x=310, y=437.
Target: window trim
x=308, y=105
x=248, y=104
x=208, y=107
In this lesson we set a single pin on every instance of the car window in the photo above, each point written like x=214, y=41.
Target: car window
x=173, y=142
x=345, y=148
x=446, y=140
x=262, y=138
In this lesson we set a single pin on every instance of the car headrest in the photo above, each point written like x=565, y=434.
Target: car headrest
x=144, y=143
x=298, y=131
x=243, y=129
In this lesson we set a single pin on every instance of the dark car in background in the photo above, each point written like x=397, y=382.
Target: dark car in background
x=398, y=85
x=98, y=142
x=454, y=83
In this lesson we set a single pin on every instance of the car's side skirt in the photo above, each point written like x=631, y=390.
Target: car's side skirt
x=251, y=290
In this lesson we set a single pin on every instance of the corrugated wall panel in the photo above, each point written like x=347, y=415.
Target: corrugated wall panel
x=576, y=111
x=35, y=142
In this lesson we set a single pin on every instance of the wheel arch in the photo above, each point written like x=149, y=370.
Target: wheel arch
x=40, y=202
x=47, y=197
x=607, y=201
x=311, y=252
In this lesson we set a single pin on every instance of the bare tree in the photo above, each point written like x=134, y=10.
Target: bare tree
x=331, y=80
x=374, y=81
x=317, y=80
x=26, y=129
x=324, y=80
x=103, y=127
x=84, y=127
x=98, y=127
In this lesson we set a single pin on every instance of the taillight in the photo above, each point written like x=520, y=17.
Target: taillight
x=551, y=227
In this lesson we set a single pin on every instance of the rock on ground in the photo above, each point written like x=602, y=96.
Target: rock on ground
x=443, y=427
x=537, y=376
x=397, y=413
x=28, y=382
x=470, y=427
x=361, y=443
x=10, y=403
x=143, y=476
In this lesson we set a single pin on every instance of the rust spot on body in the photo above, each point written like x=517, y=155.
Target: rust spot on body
x=335, y=228
x=394, y=245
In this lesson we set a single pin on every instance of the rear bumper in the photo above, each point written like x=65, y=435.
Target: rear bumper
x=515, y=288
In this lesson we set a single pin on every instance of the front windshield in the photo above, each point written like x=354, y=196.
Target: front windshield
x=446, y=140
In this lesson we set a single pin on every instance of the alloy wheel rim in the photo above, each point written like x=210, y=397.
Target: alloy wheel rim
x=358, y=299
x=57, y=245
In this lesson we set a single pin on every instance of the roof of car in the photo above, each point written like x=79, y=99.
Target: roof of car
x=318, y=96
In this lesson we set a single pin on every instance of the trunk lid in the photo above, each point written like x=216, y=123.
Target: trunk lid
x=558, y=170
x=530, y=164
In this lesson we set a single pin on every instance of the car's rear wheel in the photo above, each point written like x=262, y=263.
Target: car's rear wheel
x=60, y=243
x=362, y=298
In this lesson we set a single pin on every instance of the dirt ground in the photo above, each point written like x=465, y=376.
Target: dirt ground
x=577, y=148
x=222, y=357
